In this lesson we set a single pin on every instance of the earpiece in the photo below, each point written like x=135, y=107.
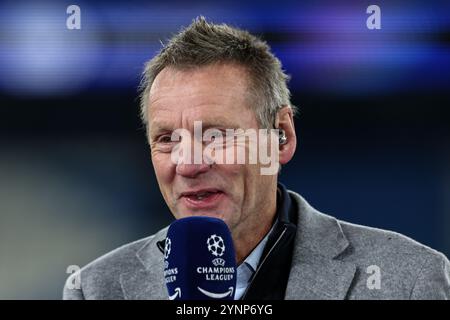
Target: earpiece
x=282, y=137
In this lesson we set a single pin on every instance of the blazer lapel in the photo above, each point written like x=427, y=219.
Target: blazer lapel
x=316, y=271
x=318, y=278
x=147, y=283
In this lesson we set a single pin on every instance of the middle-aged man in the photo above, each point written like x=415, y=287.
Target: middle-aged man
x=225, y=78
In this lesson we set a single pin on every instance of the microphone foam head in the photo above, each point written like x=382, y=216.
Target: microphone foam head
x=199, y=260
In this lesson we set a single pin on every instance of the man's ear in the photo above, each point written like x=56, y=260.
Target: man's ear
x=285, y=121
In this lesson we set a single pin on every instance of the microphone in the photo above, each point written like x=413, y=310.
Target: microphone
x=199, y=260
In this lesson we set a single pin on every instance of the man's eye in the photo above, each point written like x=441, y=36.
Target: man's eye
x=215, y=135
x=164, y=139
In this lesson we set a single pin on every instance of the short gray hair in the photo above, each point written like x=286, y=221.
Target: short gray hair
x=203, y=43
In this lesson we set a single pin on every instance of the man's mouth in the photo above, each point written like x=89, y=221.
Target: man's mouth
x=200, y=195
x=200, y=199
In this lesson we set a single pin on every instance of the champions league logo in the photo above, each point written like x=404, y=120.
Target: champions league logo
x=170, y=275
x=219, y=272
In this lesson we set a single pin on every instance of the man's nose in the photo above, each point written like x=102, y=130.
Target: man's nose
x=191, y=170
x=191, y=161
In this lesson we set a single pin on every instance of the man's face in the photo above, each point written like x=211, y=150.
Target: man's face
x=216, y=95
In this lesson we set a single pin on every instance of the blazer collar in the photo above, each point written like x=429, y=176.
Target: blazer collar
x=316, y=270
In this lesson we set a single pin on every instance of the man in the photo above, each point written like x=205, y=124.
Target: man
x=285, y=249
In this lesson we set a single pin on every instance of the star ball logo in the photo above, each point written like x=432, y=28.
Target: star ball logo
x=216, y=247
x=167, y=248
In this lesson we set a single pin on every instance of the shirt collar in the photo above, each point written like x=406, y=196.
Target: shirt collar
x=253, y=258
x=247, y=268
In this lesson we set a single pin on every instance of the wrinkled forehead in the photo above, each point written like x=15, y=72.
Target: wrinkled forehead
x=213, y=79
x=215, y=93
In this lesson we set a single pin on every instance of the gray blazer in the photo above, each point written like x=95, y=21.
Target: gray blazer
x=332, y=259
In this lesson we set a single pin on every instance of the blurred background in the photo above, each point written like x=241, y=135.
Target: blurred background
x=76, y=179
